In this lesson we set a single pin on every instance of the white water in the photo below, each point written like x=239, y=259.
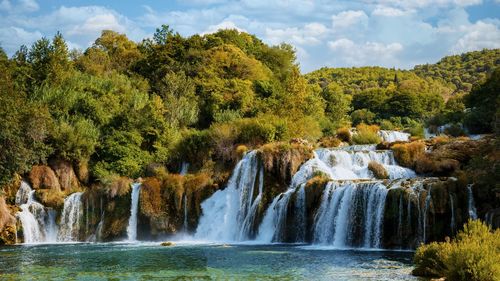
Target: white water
x=228, y=215
x=344, y=164
x=71, y=218
x=33, y=216
x=134, y=207
x=470, y=203
x=393, y=136
x=351, y=210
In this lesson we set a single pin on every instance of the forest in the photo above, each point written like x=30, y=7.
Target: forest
x=120, y=107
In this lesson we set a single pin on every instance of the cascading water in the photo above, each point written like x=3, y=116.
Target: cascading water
x=229, y=214
x=393, y=136
x=33, y=216
x=351, y=215
x=69, y=230
x=134, y=207
x=471, y=205
x=452, y=209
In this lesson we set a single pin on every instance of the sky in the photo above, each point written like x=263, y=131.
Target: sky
x=389, y=33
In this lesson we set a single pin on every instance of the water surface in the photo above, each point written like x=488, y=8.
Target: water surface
x=187, y=261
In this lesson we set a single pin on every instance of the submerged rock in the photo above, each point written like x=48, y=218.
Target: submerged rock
x=167, y=244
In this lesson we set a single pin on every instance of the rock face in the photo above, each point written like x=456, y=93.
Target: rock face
x=43, y=177
x=66, y=175
x=7, y=224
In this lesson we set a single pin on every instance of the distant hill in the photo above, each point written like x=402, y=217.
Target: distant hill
x=461, y=72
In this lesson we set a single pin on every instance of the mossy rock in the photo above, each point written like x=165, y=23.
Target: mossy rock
x=167, y=244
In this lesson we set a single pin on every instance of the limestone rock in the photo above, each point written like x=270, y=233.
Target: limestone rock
x=43, y=177
x=66, y=175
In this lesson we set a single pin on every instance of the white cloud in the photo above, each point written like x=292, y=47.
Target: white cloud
x=348, y=52
x=348, y=18
x=389, y=12
x=223, y=25
x=478, y=36
x=11, y=38
x=310, y=34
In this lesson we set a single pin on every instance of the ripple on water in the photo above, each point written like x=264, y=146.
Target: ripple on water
x=104, y=261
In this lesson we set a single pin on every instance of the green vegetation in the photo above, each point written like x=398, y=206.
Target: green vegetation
x=474, y=255
x=121, y=106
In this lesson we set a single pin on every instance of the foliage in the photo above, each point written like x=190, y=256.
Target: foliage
x=462, y=71
x=474, y=254
x=407, y=153
x=366, y=134
x=484, y=104
x=120, y=105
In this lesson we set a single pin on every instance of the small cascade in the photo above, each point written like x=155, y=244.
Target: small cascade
x=100, y=225
x=134, y=207
x=351, y=215
x=273, y=225
x=184, y=168
x=51, y=229
x=393, y=136
x=428, y=200
x=452, y=209
x=69, y=230
x=185, y=222
x=345, y=164
x=471, y=205
x=300, y=214
x=229, y=214
x=33, y=216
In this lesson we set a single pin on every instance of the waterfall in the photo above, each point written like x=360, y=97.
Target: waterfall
x=69, y=230
x=185, y=223
x=274, y=222
x=346, y=164
x=470, y=203
x=51, y=229
x=134, y=206
x=351, y=215
x=300, y=214
x=184, y=168
x=428, y=200
x=452, y=221
x=33, y=216
x=229, y=214
x=393, y=136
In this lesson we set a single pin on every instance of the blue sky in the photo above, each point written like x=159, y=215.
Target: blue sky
x=390, y=33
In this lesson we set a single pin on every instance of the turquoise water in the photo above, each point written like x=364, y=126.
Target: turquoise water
x=150, y=261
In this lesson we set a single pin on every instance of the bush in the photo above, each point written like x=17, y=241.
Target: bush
x=387, y=125
x=362, y=116
x=378, y=170
x=416, y=130
x=366, y=134
x=254, y=131
x=330, y=142
x=407, y=153
x=344, y=134
x=455, y=130
x=474, y=255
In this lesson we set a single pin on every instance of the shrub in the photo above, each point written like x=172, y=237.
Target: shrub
x=416, y=130
x=366, y=134
x=429, y=260
x=474, y=255
x=344, y=134
x=330, y=142
x=406, y=153
x=362, y=116
x=378, y=170
x=255, y=131
x=386, y=125
x=455, y=130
